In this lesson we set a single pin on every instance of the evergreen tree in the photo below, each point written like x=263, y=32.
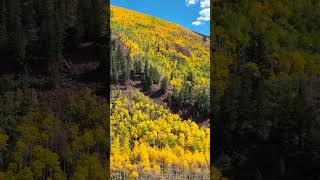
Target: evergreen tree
x=146, y=67
x=155, y=75
x=190, y=78
x=93, y=11
x=147, y=84
x=147, y=77
x=134, y=69
x=228, y=113
x=137, y=67
x=164, y=85
x=202, y=103
x=16, y=35
x=147, y=80
x=92, y=15
x=52, y=29
x=126, y=71
x=98, y=17
x=60, y=21
x=105, y=44
x=3, y=28
x=113, y=69
x=120, y=58
x=83, y=17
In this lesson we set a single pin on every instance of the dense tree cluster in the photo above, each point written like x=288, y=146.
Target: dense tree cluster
x=265, y=61
x=41, y=139
x=122, y=68
x=147, y=140
x=12, y=38
x=38, y=31
x=165, y=53
x=191, y=100
x=49, y=131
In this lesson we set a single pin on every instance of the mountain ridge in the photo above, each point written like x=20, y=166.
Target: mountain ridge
x=168, y=21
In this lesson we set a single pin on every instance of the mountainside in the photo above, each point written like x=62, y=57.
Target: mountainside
x=148, y=141
x=53, y=89
x=265, y=75
x=160, y=77
x=178, y=55
x=171, y=47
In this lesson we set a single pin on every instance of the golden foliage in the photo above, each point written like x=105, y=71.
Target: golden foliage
x=169, y=46
x=146, y=135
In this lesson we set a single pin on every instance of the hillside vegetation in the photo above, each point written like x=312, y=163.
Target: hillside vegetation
x=53, y=120
x=149, y=141
x=173, y=49
x=265, y=75
x=157, y=69
x=165, y=53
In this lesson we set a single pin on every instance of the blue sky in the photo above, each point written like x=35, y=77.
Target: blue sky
x=192, y=14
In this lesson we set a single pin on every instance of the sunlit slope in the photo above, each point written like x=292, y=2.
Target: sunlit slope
x=173, y=49
x=148, y=140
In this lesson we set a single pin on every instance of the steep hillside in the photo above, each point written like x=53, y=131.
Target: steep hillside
x=53, y=90
x=160, y=82
x=178, y=55
x=266, y=75
x=148, y=141
x=171, y=47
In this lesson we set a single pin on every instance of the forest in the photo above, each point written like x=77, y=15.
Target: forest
x=159, y=107
x=175, y=57
x=265, y=88
x=150, y=142
x=53, y=84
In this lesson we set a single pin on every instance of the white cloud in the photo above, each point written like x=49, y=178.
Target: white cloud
x=197, y=23
x=191, y=2
x=204, y=15
x=204, y=12
x=205, y=3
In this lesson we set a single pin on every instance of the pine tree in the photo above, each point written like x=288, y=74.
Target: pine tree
x=82, y=18
x=113, y=69
x=97, y=18
x=52, y=15
x=138, y=67
x=147, y=80
x=202, y=103
x=92, y=15
x=147, y=76
x=134, y=69
x=3, y=28
x=119, y=57
x=146, y=68
x=51, y=30
x=164, y=85
x=190, y=78
x=126, y=71
x=92, y=19
x=155, y=75
x=16, y=35
x=148, y=83
x=104, y=67
x=151, y=74
x=105, y=44
x=60, y=21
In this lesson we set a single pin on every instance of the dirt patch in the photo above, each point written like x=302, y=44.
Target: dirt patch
x=181, y=50
x=136, y=83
